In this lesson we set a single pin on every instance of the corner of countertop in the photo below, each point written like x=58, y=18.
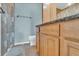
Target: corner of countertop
x=68, y=18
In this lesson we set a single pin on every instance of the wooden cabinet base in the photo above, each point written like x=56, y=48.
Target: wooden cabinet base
x=69, y=48
x=60, y=39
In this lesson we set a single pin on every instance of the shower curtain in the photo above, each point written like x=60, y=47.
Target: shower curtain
x=7, y=30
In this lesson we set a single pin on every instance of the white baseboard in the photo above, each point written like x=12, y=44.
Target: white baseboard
x=21, y=43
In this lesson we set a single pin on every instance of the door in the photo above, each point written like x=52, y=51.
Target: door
x=70, y=47
x=37, y=42
x=69, y=38
x=49, y=45
x=37, y=39
x=52, y=46
x=43, y=45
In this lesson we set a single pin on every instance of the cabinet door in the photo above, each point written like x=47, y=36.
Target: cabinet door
x=43, y=45
x=49, y=45
x=52, y=46
x=37, y=42
x=69, y=38
x=70, y=47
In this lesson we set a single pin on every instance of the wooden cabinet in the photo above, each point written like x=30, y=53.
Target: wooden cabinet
x=53, y=11
x=46, y=14
x=49, y=40
x=60, y=39
x=37, y=40
x=52, y=46
x=49, y=12
x=49, y=45
x=69, y=42
x=43, y=45
x=51, y=29
x=70, y=48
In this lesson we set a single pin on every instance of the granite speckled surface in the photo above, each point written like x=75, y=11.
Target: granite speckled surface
x=68, y=18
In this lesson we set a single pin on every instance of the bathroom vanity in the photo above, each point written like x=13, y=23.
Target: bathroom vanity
x=59, y=37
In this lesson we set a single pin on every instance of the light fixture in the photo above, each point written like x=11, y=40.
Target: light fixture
x=1, y=10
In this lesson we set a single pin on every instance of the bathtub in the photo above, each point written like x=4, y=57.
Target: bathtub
x=32, y=40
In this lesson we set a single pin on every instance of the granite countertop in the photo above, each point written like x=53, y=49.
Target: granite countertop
x=72, y=17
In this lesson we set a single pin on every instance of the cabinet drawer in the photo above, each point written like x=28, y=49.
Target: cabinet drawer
x=70, y=29
x=52, y=29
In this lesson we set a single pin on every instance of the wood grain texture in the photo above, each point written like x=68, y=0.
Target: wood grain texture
x=43, y=45
x=52, y=46
x=70, y=48
x=69, y=42
x=46, y=14
x=49, y=13
x=49, y=45
x=53, y=11
x=37, y=40
x=60, y=39
x=49, y=40
x=51, y=29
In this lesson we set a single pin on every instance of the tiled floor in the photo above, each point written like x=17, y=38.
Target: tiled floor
x=23, y=50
